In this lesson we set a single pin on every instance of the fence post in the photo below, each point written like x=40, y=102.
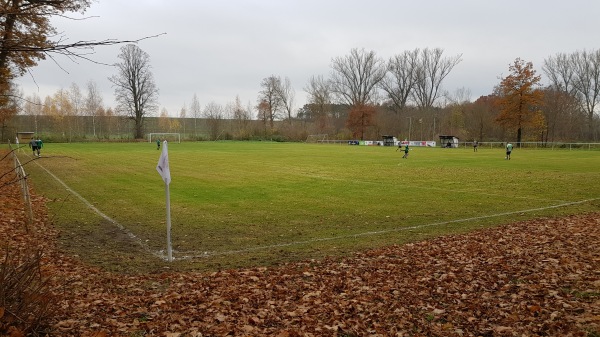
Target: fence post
x=22, y=177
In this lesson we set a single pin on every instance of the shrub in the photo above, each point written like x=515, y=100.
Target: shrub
x=26, y=303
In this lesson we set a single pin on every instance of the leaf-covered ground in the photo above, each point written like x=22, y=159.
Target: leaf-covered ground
x=533, y=278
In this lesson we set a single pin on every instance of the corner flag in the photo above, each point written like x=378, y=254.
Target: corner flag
x=165, y=173
x=163, y=165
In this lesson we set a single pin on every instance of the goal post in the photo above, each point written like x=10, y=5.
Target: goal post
x=316, y=138
x=169, y=136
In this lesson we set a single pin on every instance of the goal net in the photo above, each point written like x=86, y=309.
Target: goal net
x=316, y=138
x=169, y=137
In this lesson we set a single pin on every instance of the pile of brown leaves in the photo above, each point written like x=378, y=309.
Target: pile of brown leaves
x=532, y=278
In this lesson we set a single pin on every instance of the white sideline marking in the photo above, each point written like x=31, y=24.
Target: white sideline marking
x=106, y=217
x=398, y=229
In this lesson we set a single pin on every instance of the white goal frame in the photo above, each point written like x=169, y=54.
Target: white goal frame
x=318, y=138
x=152, y=136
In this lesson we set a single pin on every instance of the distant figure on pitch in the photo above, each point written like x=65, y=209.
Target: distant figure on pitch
x=158, y=144
x=509, y=148
x=405, y=152
x=40, y=144
x=33, y=146
x=475, y=145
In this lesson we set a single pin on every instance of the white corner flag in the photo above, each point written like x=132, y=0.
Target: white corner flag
x=165, y=173
x=163, y=165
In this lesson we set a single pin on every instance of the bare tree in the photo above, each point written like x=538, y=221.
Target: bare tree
x=182, y=116
x=355, y=77
x=400, y=80
x=562, y=113
x=319, y=91
x=270, y=99
x=320, y=98
x=560, y=71
x=213, y=113
x=196, y=112
x=577, y=74
x=241, y=118
x=28, y=36
x=430, y=72
x=135, y=91
x=286, y=96
x=77, y=101
x=586, y=67
x=264, y=112
x=33, y=108
x=93, y=103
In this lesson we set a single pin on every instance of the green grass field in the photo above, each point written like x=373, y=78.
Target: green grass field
x=246, y=204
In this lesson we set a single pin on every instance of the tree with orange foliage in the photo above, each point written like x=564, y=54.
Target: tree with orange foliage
x=360, y=118
x=519, y=99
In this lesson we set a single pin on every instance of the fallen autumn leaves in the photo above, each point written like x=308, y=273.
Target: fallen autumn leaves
x=532, y=278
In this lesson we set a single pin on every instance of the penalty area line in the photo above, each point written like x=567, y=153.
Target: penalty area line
x=397, y=229
x=106, y=217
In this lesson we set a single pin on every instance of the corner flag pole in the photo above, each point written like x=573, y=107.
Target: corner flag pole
x=165, y=173
x=169, y=249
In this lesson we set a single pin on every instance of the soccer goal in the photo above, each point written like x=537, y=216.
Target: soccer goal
x=316, y=138
x=169, y=137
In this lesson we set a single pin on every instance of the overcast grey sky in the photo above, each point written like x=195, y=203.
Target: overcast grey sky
x=223, y=49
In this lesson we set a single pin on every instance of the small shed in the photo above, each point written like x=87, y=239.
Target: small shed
x=23, y=137
x=389, y=140
x=449, y=141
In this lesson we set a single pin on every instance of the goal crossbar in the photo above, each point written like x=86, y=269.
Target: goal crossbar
x=162, y=135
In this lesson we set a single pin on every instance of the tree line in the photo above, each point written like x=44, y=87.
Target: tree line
x=363, y=97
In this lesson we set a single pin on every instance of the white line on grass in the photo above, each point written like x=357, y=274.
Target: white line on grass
x=132, y=236
x=398, y=229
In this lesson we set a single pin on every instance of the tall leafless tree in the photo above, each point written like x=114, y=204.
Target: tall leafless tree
x=320, y=98
x=399, y=82
x=183, y=116
x=586, y=67
x=214, y=114
x=560, y=71
x=269, y=98
x=286, y=94
x=196, y=112
x=577, y=75
x=355, y=77
x=241, y=117
x=135, y=91
x=27, y=36
x=432, y=68
x=93, y=103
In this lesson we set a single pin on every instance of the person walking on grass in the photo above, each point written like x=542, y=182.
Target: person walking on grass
x=509, y=148
x=33, y=146
x=158, y=144
x=40, y=144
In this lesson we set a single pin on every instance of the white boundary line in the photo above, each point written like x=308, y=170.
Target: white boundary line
x=397, y=229
x=162, y=256
x=129, y=234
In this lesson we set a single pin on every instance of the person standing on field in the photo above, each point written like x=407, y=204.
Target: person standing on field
x=158, y=144
x=40, y=144
x=475, y=145
x=509, y=148
x=33, y=145
x=405, y=156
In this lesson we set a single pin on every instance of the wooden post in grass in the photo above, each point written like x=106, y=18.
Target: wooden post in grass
x=165, y=173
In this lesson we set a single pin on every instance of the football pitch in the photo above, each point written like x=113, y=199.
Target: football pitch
x=249, y=204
